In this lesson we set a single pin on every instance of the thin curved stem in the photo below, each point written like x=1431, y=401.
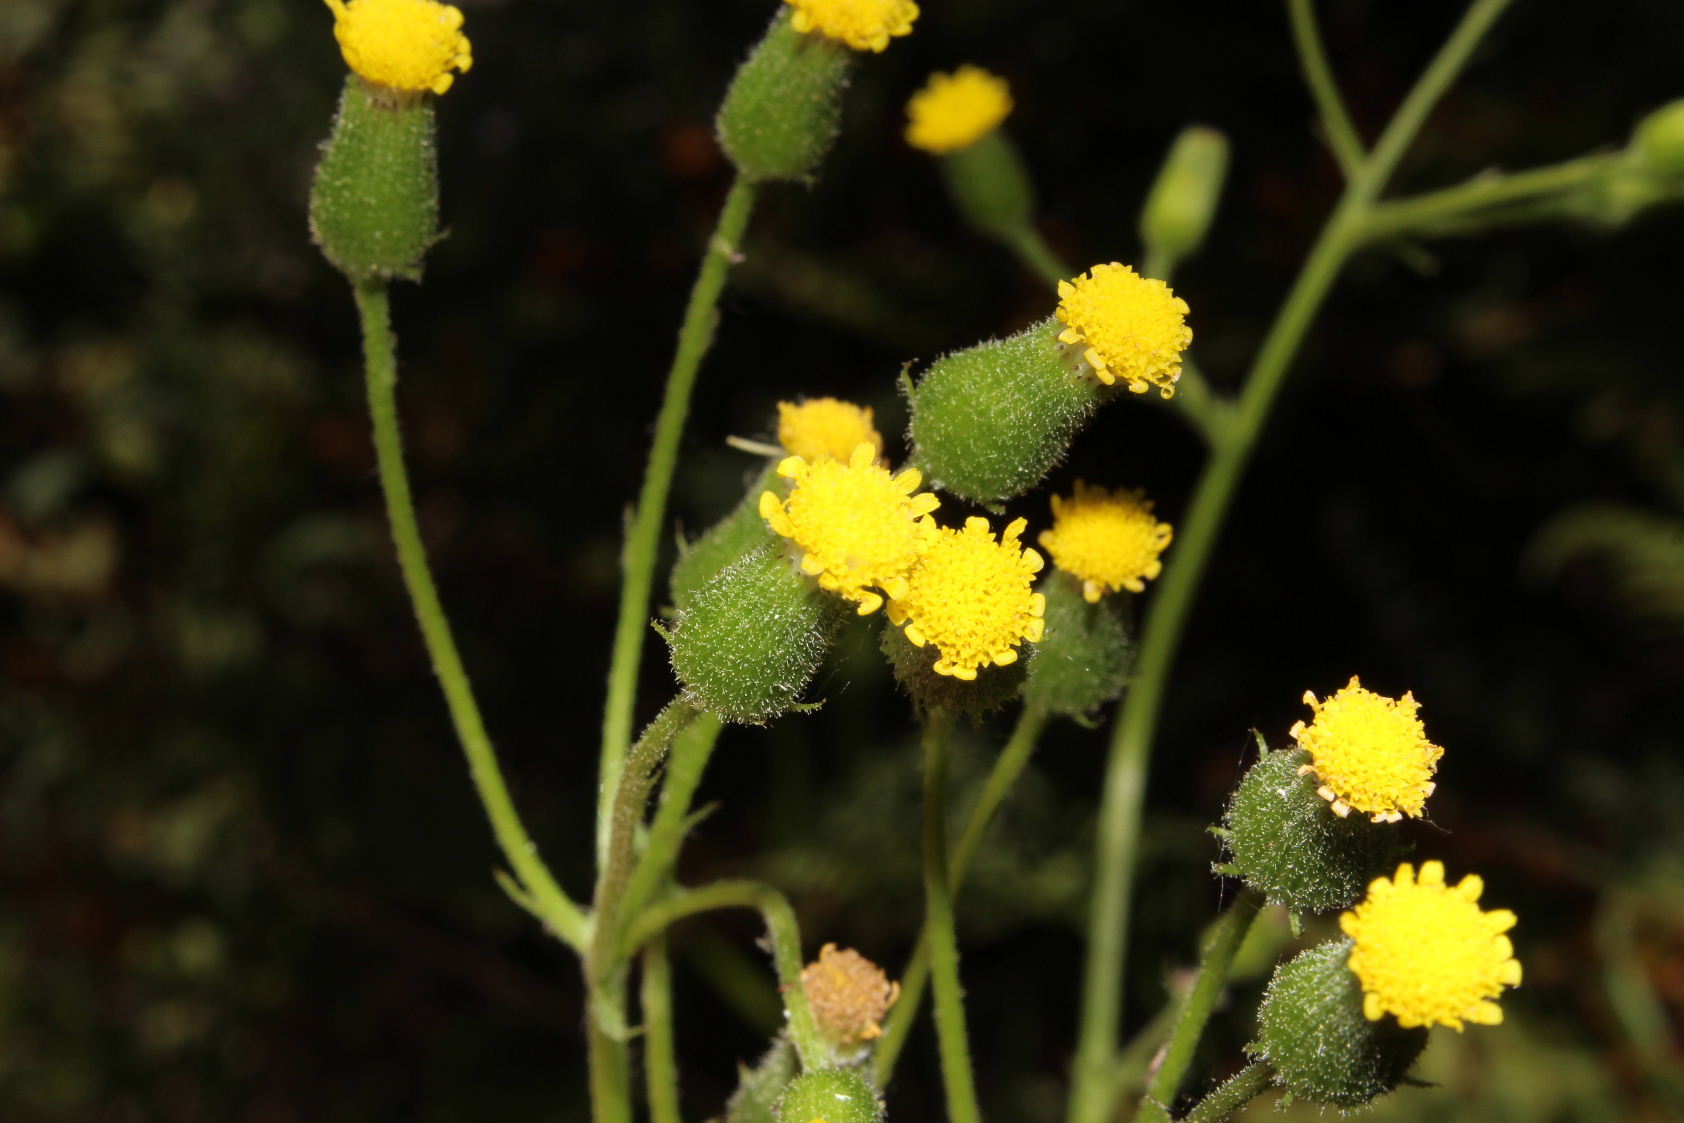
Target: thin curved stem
x=1486, y=200
x=781, y=926
x=1036, y=255
x=955, y=1049
x=691, y=751
x=644, y=538
x=1001, y=778
x=1223, y=1103
x=1222, y=943
x=380, y=370
x=1342, y=134
x=1123, y=792
x=660, y=1061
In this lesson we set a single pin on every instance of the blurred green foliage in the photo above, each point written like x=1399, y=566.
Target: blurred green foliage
x=244, y=876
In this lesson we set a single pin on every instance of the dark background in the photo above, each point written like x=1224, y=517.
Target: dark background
x=242, y=873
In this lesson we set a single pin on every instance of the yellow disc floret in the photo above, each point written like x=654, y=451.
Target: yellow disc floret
x=1370, y=752
x=970, y=596
x=864, y=25
x=1427, y=954
x=860, y=529
x=1131, y=328
x=954, y=111
x=408, y=45
x=1109, y=540
x=849, y=994
x=826, y=427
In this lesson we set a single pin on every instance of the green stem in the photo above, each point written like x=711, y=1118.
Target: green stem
x=1222, y=943
x=380, y=368
x=1312, y=59
x=786, y=947
x=644, y=539
x=660, y=1062
x=1012, y=760
x=1134, y=1061
x=691, y=750
x=1486, y=200
x=1036, y=256
x=938, y=925
x=1123, y=793
x=1223, y=1103
x=607, y=1058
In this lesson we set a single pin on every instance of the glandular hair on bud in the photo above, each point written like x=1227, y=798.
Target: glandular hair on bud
x=1311, y=1028
x=1085, y=655
x=759, y=1088
x=783, y=108
x=915, y=670
x=989, y=422
x=834, y=1095
x=374, y=203
x=1286, y=842
x=990, y=186
x=1184, y=197
x=727, y=540
x=752, y=638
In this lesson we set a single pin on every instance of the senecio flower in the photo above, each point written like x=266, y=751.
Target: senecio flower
x=850, y=995
x=1426, y=953
x=826, y=427
x=970, y=596
x=1130, y=327
x=954, y=111
x=1370, y=752
x=864, y=25
x=860, y=529
x=407, y=45
x=1108, y=540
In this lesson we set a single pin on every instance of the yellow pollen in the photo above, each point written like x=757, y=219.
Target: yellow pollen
x=849, y=995
x=409, y=45
x=860, y=529
x=1427, y=954
x=1370, y=752
x=864, y=25
x=826, y=427
x=970, y=596
x=1130, y=327
x=954, y=111
x=1108, y=540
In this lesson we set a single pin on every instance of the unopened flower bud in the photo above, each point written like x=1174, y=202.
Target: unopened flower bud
x=834, y=1095
x=1183, y=199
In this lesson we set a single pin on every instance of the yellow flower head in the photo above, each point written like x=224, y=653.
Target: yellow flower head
x=849, y=995
x=409, y=45
x=954, y=111
x=864, y=25
x=826, y=427
x=1370, y=752
x=970, y=596
x=1426, y=953
x=1131, y=327
x=860, y=529
x=1107, y=539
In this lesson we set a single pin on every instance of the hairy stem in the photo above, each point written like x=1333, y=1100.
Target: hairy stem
x=380, y=368
x=660, y=1062
x=644, y=538
x=1223, y=1103
x=1123, y=792
x=955, y=1049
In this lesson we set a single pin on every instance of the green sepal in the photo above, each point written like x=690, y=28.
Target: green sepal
x=1183, y=199
x=1311, y=1028
x=834, y=1095
x=752, y=637
x=759, y=1088
x=374, y=203
x=1289, y=845
x=727, y=540
x=989, y=422
x=915, y=670
x=784, y=107
x=1085, y=656
x=990, y=186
